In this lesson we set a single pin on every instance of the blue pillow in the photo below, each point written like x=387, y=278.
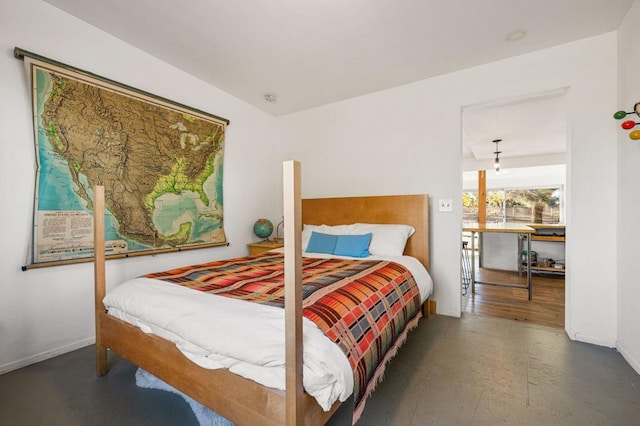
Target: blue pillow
x=353, y=245
x=321, y=243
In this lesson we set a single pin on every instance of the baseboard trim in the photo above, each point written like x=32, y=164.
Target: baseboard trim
x=593, y=340
x=14, y=365
x=627, y=356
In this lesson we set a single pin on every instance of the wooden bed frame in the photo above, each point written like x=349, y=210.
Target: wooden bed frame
x=241, y=400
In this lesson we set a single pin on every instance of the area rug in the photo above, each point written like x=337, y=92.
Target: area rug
x=205, y=416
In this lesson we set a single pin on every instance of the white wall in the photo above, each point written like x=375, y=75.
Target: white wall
x=628, y=188
x=48, y=311
x=519, y=177
x=408, y=140
x=469, y=164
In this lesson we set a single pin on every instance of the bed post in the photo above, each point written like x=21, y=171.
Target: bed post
x=293, y=292
x=99, y=275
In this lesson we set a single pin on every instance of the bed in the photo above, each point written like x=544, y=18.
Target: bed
x=233, y=396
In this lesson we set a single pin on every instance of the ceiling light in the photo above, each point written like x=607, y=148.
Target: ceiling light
x=516, y=35
x=270, y=97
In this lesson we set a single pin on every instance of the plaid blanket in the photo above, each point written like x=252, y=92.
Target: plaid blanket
x=365, y=306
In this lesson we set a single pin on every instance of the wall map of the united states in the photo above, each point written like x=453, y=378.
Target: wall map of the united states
x=161, y=168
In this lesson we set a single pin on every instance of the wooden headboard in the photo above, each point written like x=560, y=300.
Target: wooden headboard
x=399, y=209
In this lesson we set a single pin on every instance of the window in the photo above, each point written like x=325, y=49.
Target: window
x=531, y=205
x=469, y=207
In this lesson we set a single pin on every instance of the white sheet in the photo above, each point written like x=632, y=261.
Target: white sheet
x=247, y=338
x=417, y=269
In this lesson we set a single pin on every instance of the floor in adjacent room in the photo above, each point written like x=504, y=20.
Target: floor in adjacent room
x=474, y=370
x=546, y=306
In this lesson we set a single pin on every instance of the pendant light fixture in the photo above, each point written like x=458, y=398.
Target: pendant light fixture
x=496, y=163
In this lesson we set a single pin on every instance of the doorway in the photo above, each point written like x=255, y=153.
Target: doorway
x=527, y=188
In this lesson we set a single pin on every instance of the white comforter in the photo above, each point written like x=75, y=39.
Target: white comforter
x=247, y=338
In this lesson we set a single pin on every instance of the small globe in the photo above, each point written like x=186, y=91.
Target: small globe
x=263, y=228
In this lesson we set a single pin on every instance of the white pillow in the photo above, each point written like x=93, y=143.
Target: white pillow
x=387, y=240
x=325, y=229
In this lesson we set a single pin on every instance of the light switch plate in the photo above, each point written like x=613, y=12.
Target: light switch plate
x=445, y=205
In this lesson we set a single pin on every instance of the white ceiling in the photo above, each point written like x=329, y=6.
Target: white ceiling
x=531, y=126
x=314, y=52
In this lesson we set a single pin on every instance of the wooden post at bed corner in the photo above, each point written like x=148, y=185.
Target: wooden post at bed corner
x=99, y=275
x=293, y=292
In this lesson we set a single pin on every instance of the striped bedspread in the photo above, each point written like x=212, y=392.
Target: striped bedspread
x=364, y=306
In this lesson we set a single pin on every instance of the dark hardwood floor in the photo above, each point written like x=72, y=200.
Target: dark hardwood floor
x=545, y=308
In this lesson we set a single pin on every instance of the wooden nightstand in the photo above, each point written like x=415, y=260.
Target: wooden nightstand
x=257, y=248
